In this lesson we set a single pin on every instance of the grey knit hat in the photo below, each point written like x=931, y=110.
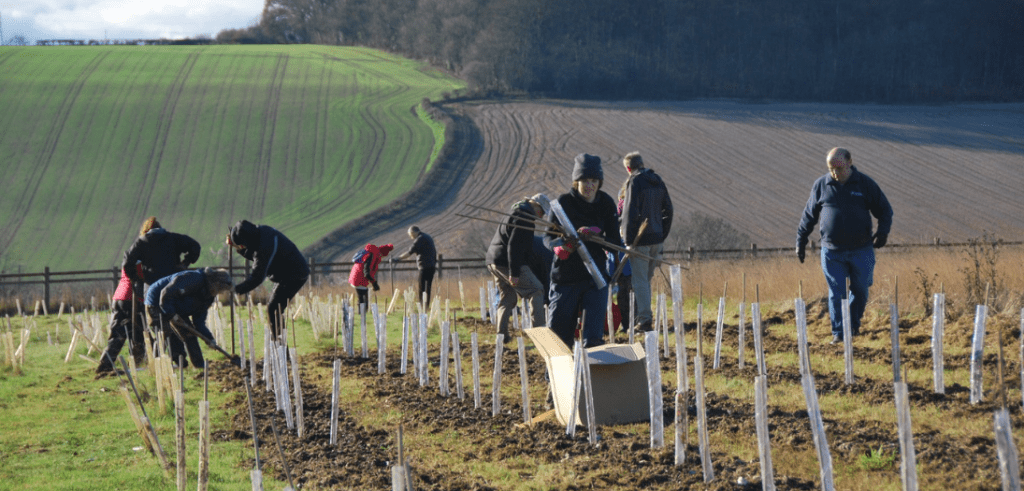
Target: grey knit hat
x=587, y=167
x=543, y=201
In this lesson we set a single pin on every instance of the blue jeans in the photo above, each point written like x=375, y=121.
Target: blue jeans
x=857, y=265
x=643, y=273
x=568, y=301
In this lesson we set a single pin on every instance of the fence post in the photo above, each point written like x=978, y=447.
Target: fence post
x=440, y=266
x=689, y=253
x=312, y=272
x=46, y=287
x=753, y=250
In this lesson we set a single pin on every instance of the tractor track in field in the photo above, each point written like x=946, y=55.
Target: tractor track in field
x=431, y=195
x=165, y=120
x=266, y=143
x=80, y=207
x=41, y=166
x=749, y=164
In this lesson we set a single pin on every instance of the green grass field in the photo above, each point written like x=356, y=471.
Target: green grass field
x=302, y=138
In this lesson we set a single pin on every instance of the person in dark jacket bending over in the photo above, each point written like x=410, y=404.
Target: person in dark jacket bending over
x=160, y=253
x=184, y=299
x=426, y=260
x=573, y=290
x=274, y=257
x=508, y=261
x=646, y=198
x=844, y=200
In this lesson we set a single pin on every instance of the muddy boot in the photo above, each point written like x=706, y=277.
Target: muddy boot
x=109, y=355
x=138, y=351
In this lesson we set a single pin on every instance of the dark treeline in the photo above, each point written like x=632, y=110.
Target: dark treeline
x=866, y=51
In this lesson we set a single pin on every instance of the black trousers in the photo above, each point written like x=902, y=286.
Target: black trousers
x=283, y=293
x=426, y=281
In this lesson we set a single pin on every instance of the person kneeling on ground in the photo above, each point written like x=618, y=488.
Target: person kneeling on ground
x=180, y=303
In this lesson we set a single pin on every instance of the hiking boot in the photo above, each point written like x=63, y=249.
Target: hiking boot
x=645, y=326
x=837, y=339
x=109, y=355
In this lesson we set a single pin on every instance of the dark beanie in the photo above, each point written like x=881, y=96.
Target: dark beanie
x=587, y=167
x=245, y=234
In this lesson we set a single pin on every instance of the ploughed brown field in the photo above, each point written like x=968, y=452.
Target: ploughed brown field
x=951, y=172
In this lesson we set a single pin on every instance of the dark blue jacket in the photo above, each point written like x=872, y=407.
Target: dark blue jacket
x=186, y=294
x=845, y=212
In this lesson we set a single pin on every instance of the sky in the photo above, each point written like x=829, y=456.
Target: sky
x=124, y=19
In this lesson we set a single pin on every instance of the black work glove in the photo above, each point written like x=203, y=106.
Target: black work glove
x=880, y=240
x=376, y=287
x=800, y=253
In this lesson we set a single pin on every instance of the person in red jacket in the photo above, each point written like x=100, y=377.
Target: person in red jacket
x=364, y=270
x=122, y=326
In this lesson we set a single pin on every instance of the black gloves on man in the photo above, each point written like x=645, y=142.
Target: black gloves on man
x=880, y=240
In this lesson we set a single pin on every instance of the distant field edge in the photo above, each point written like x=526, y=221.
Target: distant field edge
x=431, y=194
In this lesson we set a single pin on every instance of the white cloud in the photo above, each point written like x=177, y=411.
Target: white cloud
x=119, y=19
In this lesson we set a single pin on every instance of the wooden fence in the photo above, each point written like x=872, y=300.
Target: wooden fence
x=12, y=283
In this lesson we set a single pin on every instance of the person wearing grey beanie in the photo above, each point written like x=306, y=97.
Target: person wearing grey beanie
x=573, y=293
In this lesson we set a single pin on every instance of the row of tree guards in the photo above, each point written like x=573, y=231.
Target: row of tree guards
x=281, y=374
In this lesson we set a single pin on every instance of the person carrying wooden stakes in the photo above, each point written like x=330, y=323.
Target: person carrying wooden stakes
x=579, y=285
x=646, y=198
x=184, y=299
x=508, y=260
x=364, y=271
x=160, y=252
x=127, y=323
x=274, y=257
x=426, y=261
x=844, y=200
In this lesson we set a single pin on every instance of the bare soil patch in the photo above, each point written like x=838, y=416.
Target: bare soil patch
x=623, y=458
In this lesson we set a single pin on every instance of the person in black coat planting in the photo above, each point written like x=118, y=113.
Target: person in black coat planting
x=274, y=257
x=160, y=253
x=574, y=291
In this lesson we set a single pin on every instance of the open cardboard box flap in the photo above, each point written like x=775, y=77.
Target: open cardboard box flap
x=618, y=374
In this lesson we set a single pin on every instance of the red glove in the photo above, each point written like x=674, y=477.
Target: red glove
x=562, y=252
x=588, y=231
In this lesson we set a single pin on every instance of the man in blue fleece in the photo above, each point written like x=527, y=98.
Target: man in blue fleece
x=844, y=200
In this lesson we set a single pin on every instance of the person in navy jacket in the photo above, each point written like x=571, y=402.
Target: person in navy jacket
x=185, y=298
x=843, y=202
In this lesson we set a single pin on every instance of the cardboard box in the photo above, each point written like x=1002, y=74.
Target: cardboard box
x=618, y=374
